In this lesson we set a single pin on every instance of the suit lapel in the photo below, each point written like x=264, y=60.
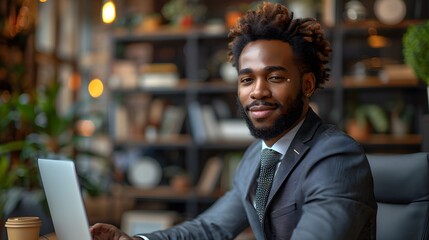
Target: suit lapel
x=252, y=173
x=253, y=170
x=291, y=159
x=296, y=151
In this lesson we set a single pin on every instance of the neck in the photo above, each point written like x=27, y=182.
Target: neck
x=272, y=141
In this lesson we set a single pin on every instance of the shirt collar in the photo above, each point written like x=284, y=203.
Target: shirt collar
x=284, y=142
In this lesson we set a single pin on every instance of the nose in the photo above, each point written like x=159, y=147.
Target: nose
x=260, y=90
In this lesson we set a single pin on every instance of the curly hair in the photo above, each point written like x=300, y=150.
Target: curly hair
x=273, y=21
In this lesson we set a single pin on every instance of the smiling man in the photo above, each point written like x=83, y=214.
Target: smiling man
x=270, y=101
x=302, y=179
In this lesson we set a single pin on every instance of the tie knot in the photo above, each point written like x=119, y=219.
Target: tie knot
x=269, y=157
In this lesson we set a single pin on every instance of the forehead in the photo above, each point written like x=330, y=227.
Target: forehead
x=263, y=53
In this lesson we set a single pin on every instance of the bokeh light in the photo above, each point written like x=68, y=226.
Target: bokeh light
x=95, y=88
x=108, y=12
x=85, y=128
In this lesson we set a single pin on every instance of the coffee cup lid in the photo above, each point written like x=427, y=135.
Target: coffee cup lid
x=23, y=219
x=30, y=225
x=23, y=222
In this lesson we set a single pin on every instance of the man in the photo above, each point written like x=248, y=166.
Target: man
x=322, y=187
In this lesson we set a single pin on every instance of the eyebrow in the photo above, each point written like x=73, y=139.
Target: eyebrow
x=275, y=68
x=268, y=69
x=244, y=71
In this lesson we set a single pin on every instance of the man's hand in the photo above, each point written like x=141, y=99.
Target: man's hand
x=102, y=231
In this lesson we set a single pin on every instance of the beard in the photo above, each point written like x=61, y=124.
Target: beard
x=284, y=122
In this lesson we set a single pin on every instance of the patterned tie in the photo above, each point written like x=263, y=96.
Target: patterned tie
x=269, y=160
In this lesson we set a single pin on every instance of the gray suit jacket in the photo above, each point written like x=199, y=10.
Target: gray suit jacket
x=323, y=189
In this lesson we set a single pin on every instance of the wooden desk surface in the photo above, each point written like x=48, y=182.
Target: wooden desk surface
x=50, y=236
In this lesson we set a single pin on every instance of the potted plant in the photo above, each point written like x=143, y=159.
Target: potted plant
x=416, y=51
x=364, y=119
x=182, y=12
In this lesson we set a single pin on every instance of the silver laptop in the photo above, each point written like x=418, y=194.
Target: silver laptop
x=64, y=197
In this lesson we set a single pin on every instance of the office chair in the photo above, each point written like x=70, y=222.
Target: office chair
x=401, y=187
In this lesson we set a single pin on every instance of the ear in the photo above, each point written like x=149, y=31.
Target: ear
x=308, y=84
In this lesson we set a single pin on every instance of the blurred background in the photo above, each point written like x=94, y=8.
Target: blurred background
x=140, y=94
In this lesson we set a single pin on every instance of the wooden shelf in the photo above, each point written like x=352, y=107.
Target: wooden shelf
x=181, y=88
x=376, y=82
x=389, y=139
x=215, y=86
x=364, y=25
x=227, y=144
x=171, y=141
x=166, y=33
x=162, y=193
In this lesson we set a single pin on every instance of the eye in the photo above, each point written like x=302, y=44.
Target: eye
x=245, y=79
x=277, y=78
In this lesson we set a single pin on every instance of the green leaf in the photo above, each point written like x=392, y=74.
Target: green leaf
x=4, y=166
x=416, y=50
x=11, y=147
x=378, y=118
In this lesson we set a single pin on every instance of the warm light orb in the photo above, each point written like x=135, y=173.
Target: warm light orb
x=95, y=88
x=42, y=1
x=85, y=128
x=108, y=12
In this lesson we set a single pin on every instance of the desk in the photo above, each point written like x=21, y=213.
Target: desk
x=50, y=236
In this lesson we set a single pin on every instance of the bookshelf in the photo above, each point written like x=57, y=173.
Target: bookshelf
x=195, y=52
x=191, y=50
x=364, y=50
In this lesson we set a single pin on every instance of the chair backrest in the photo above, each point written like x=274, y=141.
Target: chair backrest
x=401, y=188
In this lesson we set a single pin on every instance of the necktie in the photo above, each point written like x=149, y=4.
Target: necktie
x=269, y=160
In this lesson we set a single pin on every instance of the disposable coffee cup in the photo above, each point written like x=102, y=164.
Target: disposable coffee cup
x=23, y=228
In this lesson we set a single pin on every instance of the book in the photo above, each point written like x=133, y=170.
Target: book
x=210, y=175
x=172, y=120
x=221, y=108
x=137, y=106
x=124, y=75
x=234, y=129
x=196, y=121
x=231, y=162
x=120, y=131
x=398, y=73
x=156, y=111
x=158, y=75
x=211, y=125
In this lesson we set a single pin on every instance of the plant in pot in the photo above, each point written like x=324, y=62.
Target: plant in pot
x=364, y=119
x=183, y=13
x=416, y=51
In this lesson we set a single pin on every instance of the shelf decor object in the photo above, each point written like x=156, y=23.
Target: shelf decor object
x=416, y=51
x=145, y=173
x=390, y=12
x=354, y=11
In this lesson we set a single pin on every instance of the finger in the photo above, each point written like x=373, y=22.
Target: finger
x=101, y=228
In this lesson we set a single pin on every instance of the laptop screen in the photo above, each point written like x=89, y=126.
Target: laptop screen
x=63, y=194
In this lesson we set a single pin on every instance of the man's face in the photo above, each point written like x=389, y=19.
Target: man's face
x=270, y=89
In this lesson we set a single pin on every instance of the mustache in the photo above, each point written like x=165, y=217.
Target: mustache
x=261, y=103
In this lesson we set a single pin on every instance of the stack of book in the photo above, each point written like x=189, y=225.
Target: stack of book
x=158, y=75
